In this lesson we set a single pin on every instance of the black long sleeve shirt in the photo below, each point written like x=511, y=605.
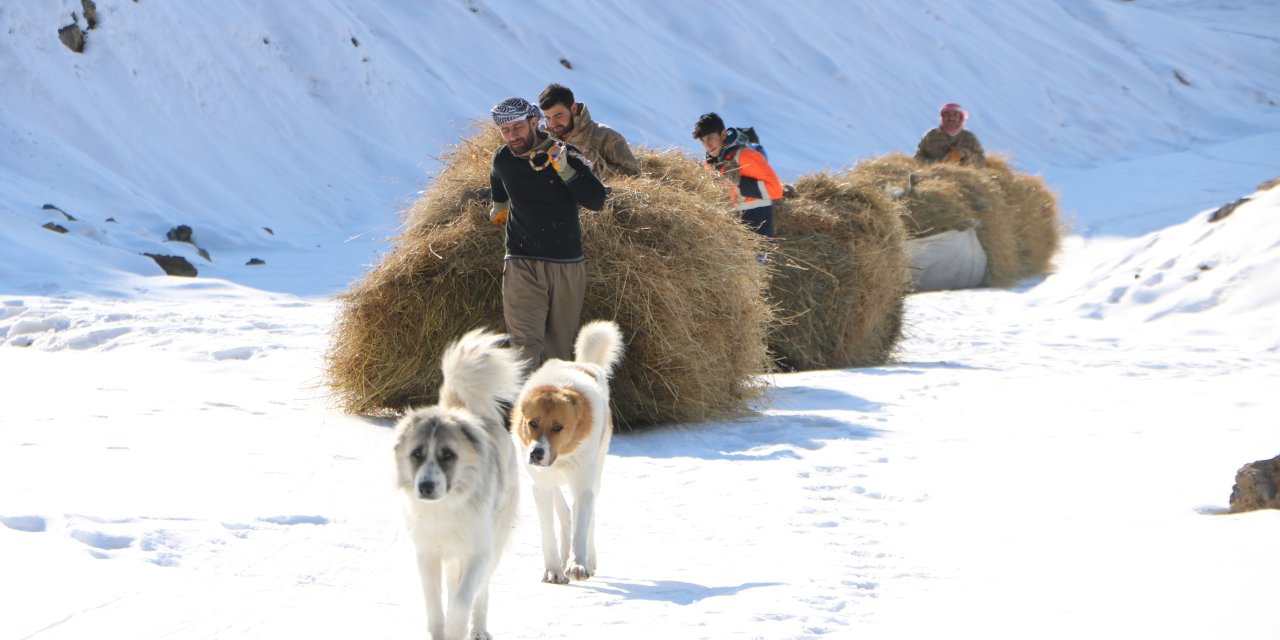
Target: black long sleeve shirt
x=542, y=223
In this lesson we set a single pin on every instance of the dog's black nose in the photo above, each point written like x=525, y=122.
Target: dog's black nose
x=536, y=455
x=426, y=489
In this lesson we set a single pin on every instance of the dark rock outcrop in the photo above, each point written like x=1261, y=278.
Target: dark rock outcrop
x=174, y=265
x=183, y=233
x=53, y=226
x=1226, y=210
x=1257, y=486
x=73, y=37
x=49, y=207
x=180, y=233
x=254, y=262
x=90, y=12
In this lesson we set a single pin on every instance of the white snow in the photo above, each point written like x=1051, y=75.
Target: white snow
x=1052, y=460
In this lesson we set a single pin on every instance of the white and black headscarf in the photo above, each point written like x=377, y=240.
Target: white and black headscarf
x=513, y=109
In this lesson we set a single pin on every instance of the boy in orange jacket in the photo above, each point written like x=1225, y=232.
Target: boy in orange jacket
x=730, y=154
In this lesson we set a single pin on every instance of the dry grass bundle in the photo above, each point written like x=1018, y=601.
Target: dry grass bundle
x=1015, y=214
x=839, y=274
x=1034, y=208
x=666, y=259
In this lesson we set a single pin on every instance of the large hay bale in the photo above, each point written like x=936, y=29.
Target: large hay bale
x=666, y=259
x=839, y=274
x=1015, y=214
x=1034, y=208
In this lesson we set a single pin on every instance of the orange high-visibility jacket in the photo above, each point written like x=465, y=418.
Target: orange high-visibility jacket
x=758, y=185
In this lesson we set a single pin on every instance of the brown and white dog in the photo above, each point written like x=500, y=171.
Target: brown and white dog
x=561, y=422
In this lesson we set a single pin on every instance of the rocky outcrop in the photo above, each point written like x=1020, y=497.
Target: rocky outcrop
x=183, y=233
x=180, y=233
x=1257, y=486
x=174, y=265
x=53, y=226
x=49, y=207
x=90, y=12
x=1226, y=210
x=73, y=37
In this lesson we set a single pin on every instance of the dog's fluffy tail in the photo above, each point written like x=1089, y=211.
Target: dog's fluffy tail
x=478, y=374
x=599, y=343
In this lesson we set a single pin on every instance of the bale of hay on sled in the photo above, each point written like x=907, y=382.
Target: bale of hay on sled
x=666, y=260
x=1005, y=220
x=839, y=274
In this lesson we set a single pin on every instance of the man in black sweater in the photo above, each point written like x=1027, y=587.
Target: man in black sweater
x=537, y=184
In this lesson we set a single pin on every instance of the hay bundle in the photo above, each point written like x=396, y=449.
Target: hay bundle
x=1034, y=208
x=839, y=274
x=1015, y=214
x=666, y=259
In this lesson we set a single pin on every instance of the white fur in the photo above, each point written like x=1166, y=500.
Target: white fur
x=461, y=524
x=598, y=349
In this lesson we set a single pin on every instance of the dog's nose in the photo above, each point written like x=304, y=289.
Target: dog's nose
x=536, y=455
x=426, y=489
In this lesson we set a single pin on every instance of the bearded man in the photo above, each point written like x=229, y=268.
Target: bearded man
x=570, y=122
x=537, y=185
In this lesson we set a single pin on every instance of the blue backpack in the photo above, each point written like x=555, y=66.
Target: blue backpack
x=744, y=136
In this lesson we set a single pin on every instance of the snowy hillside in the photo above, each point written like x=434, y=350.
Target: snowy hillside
x=1048, y=461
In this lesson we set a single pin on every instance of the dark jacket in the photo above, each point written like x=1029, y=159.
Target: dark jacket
x=542, y=222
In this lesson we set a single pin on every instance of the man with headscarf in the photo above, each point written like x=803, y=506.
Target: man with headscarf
x=538, y=183
x=570, y=122
x=950, y=141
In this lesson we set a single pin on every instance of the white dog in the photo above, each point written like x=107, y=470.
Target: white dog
x=562, y=423
x=458, y=475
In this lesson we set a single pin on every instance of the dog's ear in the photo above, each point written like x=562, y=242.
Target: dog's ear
x=585, y=419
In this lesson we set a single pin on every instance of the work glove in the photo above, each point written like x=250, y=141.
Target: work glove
x=498, y=214
x=558, y=155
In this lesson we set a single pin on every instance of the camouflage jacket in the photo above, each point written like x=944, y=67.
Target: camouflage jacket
x=605, y=148
x=938, y=146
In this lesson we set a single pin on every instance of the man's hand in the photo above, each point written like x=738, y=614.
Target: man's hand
x=559, y=158
x=498, y=214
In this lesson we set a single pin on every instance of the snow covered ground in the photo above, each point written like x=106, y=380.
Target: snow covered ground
x=1047, y=461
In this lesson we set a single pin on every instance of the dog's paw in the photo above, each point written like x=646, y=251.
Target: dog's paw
x=577, y=572
x=480, y=635
x=554, y=577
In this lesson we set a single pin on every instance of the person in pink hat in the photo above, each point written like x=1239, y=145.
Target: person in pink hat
x=950, y=141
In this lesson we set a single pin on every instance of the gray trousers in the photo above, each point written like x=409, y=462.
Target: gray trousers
x=542, y=305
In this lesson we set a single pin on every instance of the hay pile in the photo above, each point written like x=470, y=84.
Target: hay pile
x=666, y=259
x=1016, y=214
x=1034, y=208
x=839, y=273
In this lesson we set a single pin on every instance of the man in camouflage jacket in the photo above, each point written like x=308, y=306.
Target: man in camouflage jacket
x=569, y=122
x=950, y=141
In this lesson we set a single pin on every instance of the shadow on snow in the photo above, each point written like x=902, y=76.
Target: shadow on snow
x=681, y=593
x=763, y=437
